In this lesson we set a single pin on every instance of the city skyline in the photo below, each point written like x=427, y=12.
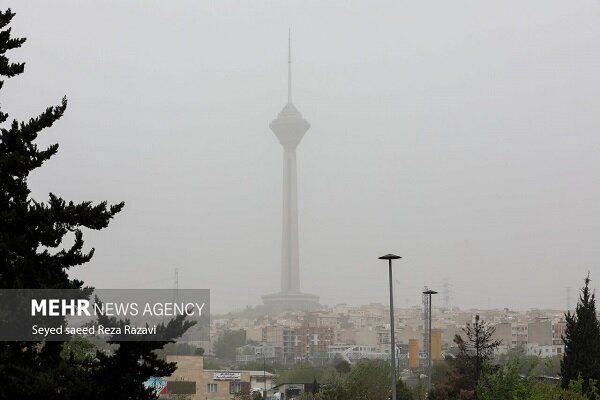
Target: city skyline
x=468, y=152
x=434, y=236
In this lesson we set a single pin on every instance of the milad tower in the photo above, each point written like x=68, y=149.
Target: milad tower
x=290, y=127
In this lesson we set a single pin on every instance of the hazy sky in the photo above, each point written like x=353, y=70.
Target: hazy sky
x=461, y=135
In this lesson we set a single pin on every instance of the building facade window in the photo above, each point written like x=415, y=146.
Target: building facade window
x=235, y=388
x=212, y=388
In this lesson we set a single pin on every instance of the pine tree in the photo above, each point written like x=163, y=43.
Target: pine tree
x=31, y=232
x=132, y=363
x=467, y=368
x=32, y=256
x=582, y=341
x=479, y=344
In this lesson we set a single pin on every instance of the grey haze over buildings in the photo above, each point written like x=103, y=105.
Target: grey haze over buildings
x=463, y=135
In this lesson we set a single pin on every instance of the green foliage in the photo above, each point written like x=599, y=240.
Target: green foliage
x=33, y=255
x=504, y=383
x=32, y=232
x=179, y=349
x=439, y=371
x=582, y=342
x=182, y=397
x=467, y=368
x=132, y=363
x=419, y=391
x=478, y=346
x=472, y=376
x=547, y=367
x=211, y=365
x=531, y=365
x=257, y=366
x=246, y=395
x=368, y=380
x=403, y=392
x=342, y=366
x=508, y=383
x=312, y=396
x=78, y=350
x=228, y=342
x=334, y=389
x=305, y=373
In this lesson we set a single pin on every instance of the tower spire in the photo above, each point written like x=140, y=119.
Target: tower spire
x=289, y=66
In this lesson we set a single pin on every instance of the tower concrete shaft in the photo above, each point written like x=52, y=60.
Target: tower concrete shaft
x=289, y=127
x=290, y=258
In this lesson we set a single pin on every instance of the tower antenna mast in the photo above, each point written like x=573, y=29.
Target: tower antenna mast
x=290, y=66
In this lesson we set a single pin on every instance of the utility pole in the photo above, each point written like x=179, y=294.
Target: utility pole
x=428, y=293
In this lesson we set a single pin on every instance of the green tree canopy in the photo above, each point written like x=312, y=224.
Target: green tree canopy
x=342, y=366
x=468, y=367
x=582, y=341
x=507, y=382
x=34, y=255
x=228, y=342
x=368, y=380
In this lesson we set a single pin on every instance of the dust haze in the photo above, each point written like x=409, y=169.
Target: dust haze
x=461, y=135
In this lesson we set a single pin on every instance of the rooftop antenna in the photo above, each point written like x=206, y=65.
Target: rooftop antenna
x=446, y=294
x=290, y=66
x=176, y=286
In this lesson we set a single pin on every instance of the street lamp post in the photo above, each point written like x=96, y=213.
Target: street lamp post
x=429, y=293
x=391, y=257
x=264, y=373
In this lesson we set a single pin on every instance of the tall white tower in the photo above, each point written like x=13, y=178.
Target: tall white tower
x=290, y=127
